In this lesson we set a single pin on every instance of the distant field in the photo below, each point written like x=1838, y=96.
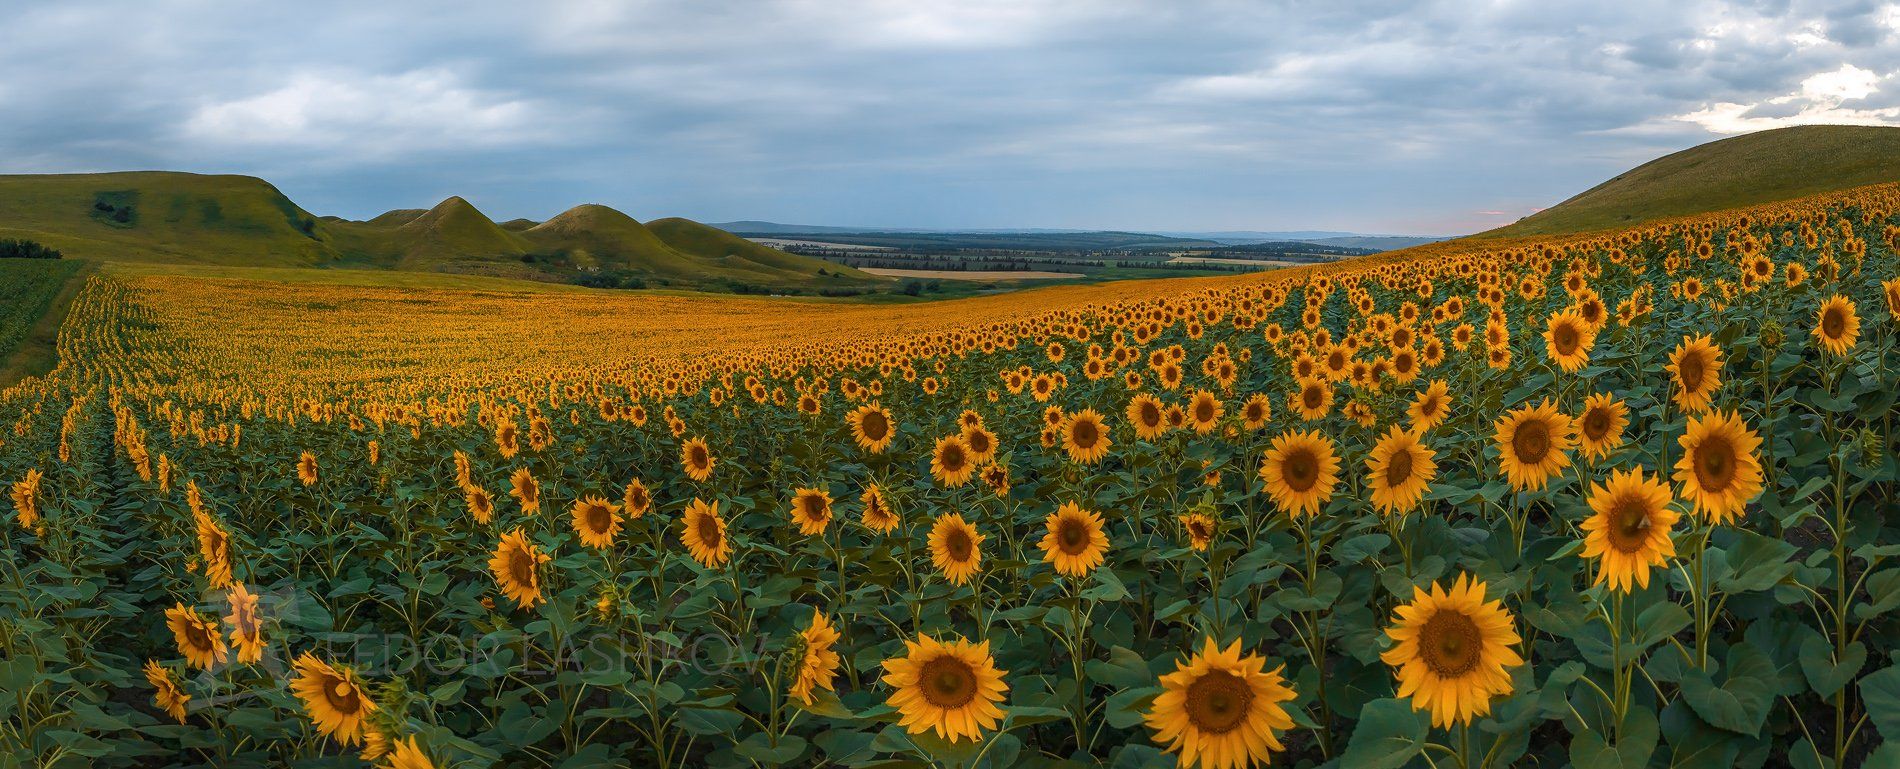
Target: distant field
x=976, y=274
x=783, y=242
x=28, y=289
x=1218, y=260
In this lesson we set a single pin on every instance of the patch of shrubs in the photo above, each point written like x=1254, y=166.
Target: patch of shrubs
x=26, y=249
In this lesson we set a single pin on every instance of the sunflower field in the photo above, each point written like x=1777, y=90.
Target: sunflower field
x=1620, y=499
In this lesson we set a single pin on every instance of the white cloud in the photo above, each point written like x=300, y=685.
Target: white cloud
x=1820, y=100
x=411, y=111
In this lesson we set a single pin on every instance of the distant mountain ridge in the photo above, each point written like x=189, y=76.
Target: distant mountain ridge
x=1145, y=238
x=239, y=220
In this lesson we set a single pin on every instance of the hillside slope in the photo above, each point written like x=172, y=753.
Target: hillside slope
x=162, y=216
x=182, y=218
x=1751, y=169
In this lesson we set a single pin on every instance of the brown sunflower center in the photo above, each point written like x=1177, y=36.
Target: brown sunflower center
x=1629, y=524
x=951, y=458
x=196, y=636
x=599, y=518
x=1531, y=441
x=1218, y=702
x=343, y=697
x=1072, y=536
x=521, y=567
x=957, y=542
x=708, y=528
x=1398, y=467
x=979, y=441
x=1690, y=371
x=1199, y=530
x=1300, y=469
x=1834, y=322
x=1312, y=397
x=1715, y=463
x=815, y=508
x=1450, y=643
x=697, y=456
x=1596, y=424
x=1204, y=411
x=874, y=425
x=948, y=682
x=1085, y=434
x=1150, y=414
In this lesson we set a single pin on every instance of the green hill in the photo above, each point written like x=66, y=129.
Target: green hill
x=180, y=218
x=1752, y=169
x=162, y=216
x=736, y=253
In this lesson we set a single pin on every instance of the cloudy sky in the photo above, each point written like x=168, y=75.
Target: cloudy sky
x=1434, y=117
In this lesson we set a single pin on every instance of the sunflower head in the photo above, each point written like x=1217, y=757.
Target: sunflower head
x=1568, y=339
x=951, y=462
x=1300, y=471
x=1719, y=470
x=811, y=510
x=1452, y=651
x=247, y=629
x=1696, y=366
x=1085, y=437
x=480, y=505
x=1431, y=406
x=1222, y=709
x=872, y=427
x=697, y=459
x=333, y=698
x=1074, y=541
x=1201, y=528
x=1147, y=416
x=704, y=533
x=1399, y=471
x=1600, y=427
x=636, y=500
x=516, y=564
x=1628, y=532
x=1204, y=411
x=950, y=687
x=1837, y=327
x=956, y=549
x=307, y=469
x=167, y=694
x=818, y=661
x=596, y=521
x=878, y=515
x=199, y=641
x=1533, y=444
x=526, y=491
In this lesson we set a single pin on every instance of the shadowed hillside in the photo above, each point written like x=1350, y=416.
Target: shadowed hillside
x=1764, y=167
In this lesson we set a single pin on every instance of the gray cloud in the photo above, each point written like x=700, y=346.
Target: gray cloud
x=1372, y=116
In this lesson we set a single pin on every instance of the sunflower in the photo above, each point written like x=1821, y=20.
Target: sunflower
x=214, y=550
x=953, y=688
x=871, y=427
x=1147, y=416
x=1697, y=367
x=596, y=520
x=517, y=568
x=811, y=510
x=982, y=443
x=167, y=694
x=1400, y=469
x=408, y=754
x=1891, y=290
x=1453, y=651
x=950, y=462
x=247, y=630
x=1075, y=542
x=1256, y=412
x=507, y=439
x=997, y=478
x=198, y=638
x=307, y=469
x=526, y=491
x=1837, y=327
x=1718, y=470
x=480, y=505
x=878, y=515
x=1200, y=528
x=1600, y=428
x=334, y=699
x=1204, y=411
x=1300, y=471
x=26, y=499
x=636, y=500
x=818, y=663
x=1629, y=532
x=1531, y=445
x=955, y=548
x=1431, y=407
x=704, y=534
x=1313, y=400
x=1221, y=709
x=1085, y=437
x=1568, y=339
x=697, y=458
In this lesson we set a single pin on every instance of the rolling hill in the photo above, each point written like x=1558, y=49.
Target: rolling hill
x=167, y=217
x=1751, y=169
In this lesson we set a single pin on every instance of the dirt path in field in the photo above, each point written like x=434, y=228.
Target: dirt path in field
x=38, y=352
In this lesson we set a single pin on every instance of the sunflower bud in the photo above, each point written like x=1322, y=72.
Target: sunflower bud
x=1772, y=334
x=1872, y=448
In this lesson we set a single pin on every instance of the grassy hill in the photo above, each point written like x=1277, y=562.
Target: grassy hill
x=1752, y=169
x=178, y=218
x=162, y=216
